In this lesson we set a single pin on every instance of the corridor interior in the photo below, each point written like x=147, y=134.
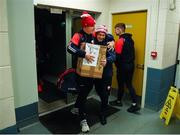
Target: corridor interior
x=122, y=122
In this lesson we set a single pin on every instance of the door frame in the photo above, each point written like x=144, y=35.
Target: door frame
x=148, y=10
x=176, y=77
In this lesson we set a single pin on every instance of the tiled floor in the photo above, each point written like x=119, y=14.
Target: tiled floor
x=122, y=122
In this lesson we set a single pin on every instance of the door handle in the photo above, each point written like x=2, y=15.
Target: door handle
x=140, y=66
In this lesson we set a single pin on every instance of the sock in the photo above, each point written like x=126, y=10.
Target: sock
x=134, y=104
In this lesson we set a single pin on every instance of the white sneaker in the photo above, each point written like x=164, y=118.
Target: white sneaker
x=75, y=111
x=84, y=126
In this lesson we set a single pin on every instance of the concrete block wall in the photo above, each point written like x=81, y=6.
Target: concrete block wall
x=161, y=71
x=156, y=39
x=23, y=59
x=167, y=42
x=171, y=35
x=7, y=111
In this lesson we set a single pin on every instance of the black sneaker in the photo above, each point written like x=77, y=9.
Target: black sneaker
x=133, y=108
x=103, y=120
x=116, y=103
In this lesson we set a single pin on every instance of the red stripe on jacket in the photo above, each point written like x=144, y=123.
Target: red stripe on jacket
x=119, y=45
x=75, y=39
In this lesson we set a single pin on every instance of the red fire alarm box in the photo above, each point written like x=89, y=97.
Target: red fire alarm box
x=153, y=54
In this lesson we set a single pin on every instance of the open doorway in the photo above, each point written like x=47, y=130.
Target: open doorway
x=76, y=27
x=51, y=57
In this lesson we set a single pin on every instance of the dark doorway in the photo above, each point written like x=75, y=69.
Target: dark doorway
x=76, y=27
x=50, y=52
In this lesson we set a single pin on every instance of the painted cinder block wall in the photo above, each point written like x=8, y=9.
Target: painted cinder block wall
x=23, y=58
x=7, y=109
x=160, y=78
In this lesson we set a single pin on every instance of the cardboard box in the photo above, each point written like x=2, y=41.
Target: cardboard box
x=93, y=70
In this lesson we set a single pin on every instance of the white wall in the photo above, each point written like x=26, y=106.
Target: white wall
x=7, y=114
x=22, y=50
x=171, y=35
x=89, y=5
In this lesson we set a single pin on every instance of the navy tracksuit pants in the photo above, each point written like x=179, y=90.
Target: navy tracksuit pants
x=85, y=86
x=124, y=76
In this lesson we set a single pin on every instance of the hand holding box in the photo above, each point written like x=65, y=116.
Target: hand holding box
x=93, y=69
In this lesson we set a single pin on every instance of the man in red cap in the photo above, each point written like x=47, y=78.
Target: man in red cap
x=85, y=84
